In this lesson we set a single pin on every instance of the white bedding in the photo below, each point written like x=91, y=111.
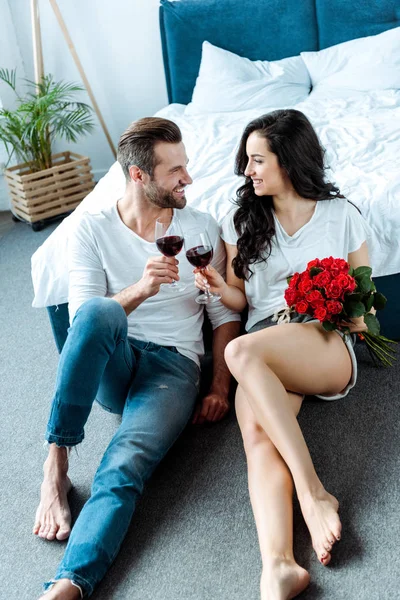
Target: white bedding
x=361, y=133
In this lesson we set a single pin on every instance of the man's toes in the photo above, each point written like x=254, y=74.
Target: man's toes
x=36, y=527
x=44, y=530
x=63, y=532
x=51, y=533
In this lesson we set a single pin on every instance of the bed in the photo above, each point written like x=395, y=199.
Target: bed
x=346, y=80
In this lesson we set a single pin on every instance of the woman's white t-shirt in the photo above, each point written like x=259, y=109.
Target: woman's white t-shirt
x=336, y=228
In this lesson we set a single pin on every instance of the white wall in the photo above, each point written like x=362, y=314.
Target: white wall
x=118, y=43
x=10, y=58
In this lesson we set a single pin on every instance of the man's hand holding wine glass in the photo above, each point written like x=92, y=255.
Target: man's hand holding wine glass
x=158, y=270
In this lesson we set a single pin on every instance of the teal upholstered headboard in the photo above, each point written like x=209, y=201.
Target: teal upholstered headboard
x=261, y=30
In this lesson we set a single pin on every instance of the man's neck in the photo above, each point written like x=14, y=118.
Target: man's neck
x=140, y=215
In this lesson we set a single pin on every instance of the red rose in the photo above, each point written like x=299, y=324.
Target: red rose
x=294, y=280
x=334, y=290
x=339, y=266
x=313, y=263
x=351, y=284
x=322, y=279
x=291, y=296
x=334, y=307
x=320, y=313
x=305, y=286
x=326, y=263
x=315, y=298
x=346, y=282
x=302, y=307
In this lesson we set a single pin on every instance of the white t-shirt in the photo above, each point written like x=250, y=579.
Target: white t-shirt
x=336, y=228
x=105, y=257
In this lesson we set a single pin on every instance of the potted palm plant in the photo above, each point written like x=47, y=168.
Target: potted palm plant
x=44, y=184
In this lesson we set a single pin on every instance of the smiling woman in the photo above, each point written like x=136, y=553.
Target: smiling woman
x=276, y=149
x=286, y=215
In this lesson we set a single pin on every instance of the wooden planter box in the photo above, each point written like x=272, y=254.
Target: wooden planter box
x=51, y=192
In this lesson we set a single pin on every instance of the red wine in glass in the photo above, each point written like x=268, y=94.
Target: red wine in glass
x=170, y=245
x=169, y=241
x=200, y=256
x=199, y=252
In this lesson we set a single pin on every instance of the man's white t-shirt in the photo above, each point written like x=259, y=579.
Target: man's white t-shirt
x=336, y=228
x=105, y=257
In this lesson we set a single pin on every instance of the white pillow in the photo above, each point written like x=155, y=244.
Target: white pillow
x=227, y=82
x=369, y=63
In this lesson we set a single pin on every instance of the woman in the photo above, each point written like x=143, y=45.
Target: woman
x=287, y=215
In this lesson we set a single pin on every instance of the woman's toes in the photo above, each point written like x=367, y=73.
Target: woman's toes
x=325, y=559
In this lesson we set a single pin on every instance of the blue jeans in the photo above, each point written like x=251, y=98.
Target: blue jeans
x=153, y=387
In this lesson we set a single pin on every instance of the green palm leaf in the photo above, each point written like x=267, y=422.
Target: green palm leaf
x=48, y=112
x=9, y=77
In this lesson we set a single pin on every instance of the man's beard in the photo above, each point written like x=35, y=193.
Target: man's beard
x=162, y=198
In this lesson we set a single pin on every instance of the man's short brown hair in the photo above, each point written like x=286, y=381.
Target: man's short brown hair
x=136, y=144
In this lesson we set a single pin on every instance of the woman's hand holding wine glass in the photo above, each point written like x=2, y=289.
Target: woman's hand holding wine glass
x=199, y=252
x=209, y=279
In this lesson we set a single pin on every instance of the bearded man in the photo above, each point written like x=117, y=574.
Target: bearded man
x=135, y=347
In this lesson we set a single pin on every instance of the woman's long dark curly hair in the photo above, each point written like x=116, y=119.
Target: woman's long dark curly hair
x=291, y=137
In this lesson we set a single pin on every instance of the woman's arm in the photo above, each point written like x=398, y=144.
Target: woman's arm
x=359, y=258
x=232, y=290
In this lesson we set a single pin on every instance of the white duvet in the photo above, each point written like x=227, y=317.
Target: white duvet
x=361, y=134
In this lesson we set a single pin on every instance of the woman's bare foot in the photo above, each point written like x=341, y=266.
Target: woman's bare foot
x=320, y=512
x=63, y=589
x=53, y=516
x=283, y=579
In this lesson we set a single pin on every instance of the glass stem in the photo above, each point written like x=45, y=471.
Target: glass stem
x=207, y=292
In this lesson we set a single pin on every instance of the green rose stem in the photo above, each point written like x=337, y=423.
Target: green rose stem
x=378, y=345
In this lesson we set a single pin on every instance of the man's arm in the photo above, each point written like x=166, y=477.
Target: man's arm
x=215, y=404
x=158, y=270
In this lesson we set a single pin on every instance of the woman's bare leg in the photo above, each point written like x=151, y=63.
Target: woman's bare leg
x=305, y=359
x=271, y=496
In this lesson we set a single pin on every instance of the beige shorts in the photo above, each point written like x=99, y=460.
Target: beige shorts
x=349, y=341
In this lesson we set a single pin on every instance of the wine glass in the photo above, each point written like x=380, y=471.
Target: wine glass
x=169, y=241
x=199, y=252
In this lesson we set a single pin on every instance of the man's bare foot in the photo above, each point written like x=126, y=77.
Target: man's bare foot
x=320, y=513
x=53, y=516
x=63, y=589
x=283, y=579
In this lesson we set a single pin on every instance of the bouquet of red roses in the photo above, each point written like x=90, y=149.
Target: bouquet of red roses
x=332, y=292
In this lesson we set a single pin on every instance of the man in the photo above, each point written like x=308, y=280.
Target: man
x=117, y=289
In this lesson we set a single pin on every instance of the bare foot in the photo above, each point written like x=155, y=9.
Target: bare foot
x=63, y=589
x=53, y=516
x=283, y=579
x=320, y=513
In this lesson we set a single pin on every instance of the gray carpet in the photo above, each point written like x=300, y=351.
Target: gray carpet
x=193, y=536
